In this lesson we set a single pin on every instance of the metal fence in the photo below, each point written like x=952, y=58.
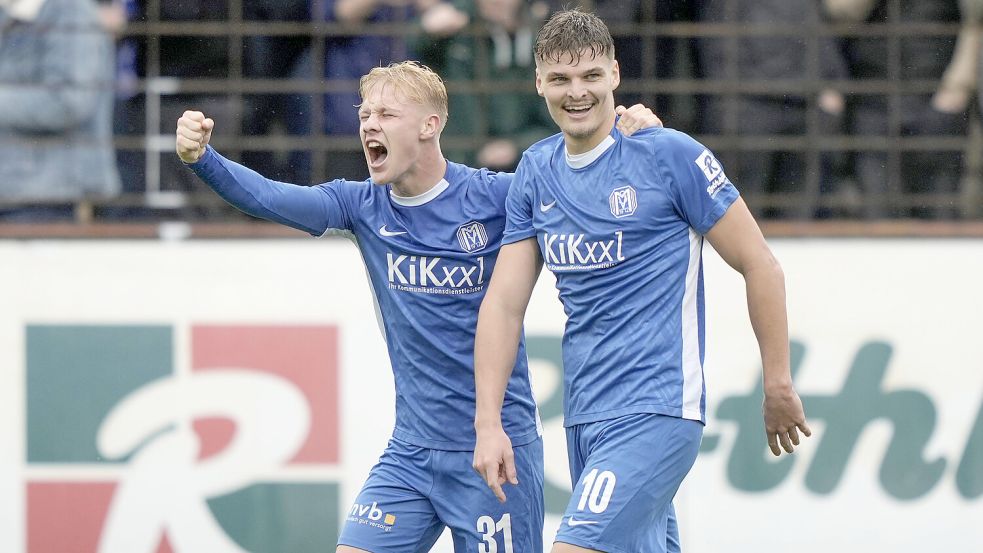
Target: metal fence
x=153, y=195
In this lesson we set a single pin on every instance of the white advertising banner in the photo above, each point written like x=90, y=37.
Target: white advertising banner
x=230, y=396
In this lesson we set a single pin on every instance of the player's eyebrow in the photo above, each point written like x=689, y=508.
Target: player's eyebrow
x=595, y=69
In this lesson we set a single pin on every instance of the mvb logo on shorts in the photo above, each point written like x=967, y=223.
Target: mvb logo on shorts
x=371, y=515
x=159, y=439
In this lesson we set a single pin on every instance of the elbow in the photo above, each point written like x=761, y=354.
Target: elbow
x=764, y=267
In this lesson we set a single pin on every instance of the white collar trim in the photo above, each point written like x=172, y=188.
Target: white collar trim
x=579, y=161
x=412, y=201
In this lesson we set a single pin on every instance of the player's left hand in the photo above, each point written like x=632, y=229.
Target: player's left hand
x=784, y=418
x=635, y=118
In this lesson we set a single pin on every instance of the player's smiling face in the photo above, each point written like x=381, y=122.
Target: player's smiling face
x=579, y=93
x=390, y=130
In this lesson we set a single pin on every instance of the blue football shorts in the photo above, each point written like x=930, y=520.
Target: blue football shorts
x=413, y=493
x=625, y=473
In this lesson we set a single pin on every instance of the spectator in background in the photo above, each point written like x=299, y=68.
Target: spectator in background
x=782, y=57
x=511, y=116
x=56, y=98
x=961, y=77
x=927, y=114
x=128, y=111
x=277, y=57
x=349, y=57
x=189, y=57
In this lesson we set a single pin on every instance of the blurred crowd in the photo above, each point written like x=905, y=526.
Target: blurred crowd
x=818, y=108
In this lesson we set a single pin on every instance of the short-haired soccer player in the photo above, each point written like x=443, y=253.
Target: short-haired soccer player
x=429, y=232
x=621, y=222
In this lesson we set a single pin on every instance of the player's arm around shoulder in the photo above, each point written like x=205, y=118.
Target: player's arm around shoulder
x=738, y=239
x=496, y=346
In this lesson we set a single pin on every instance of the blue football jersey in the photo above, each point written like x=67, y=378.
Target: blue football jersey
x=622, y=229
x=429, y=260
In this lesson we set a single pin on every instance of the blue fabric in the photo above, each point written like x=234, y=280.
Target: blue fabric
x=625, y=473
x=413, y=493
x=56, y=101
x=429, y=267
x=623, y=236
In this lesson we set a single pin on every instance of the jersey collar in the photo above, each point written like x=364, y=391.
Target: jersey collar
x=579, y=161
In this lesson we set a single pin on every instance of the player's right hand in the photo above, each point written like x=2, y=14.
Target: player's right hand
x=194, y=130
x=784, y=419
x=494, y=460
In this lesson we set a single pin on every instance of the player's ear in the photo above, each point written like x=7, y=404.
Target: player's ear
x=430, y=127
x=539, y=82
x=615, y=74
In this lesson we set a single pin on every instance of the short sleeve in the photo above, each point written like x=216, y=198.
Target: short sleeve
x=699, y=188
x=518, y=205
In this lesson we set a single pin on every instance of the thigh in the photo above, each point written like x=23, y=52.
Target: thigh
x=477, y=520
x=622, y=499
x=392, y=513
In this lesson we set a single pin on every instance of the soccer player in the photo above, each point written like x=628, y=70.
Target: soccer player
x=429, y=232
x=621, y=222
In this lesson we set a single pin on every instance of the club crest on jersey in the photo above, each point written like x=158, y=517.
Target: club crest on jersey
x=472, y=236
x=623, y=201
x=713, y=171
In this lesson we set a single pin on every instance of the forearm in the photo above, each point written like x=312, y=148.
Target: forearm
x=288, y=204
x=766, y=306
x=496, y=347
x=962, y=71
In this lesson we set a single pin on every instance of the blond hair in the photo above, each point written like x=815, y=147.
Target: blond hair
x=414, y=80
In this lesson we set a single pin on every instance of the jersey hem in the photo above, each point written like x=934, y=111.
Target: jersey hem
x=718, y=212
x=518, y=237
x=669, y=411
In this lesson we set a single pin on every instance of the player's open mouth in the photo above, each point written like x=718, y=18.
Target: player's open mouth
x=377, y=153
x=578, y=110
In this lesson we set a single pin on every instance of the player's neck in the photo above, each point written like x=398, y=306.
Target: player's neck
x=579, y=145
x=426, y=173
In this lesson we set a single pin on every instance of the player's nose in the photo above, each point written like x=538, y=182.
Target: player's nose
x=577, y=90
x=370, y=123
